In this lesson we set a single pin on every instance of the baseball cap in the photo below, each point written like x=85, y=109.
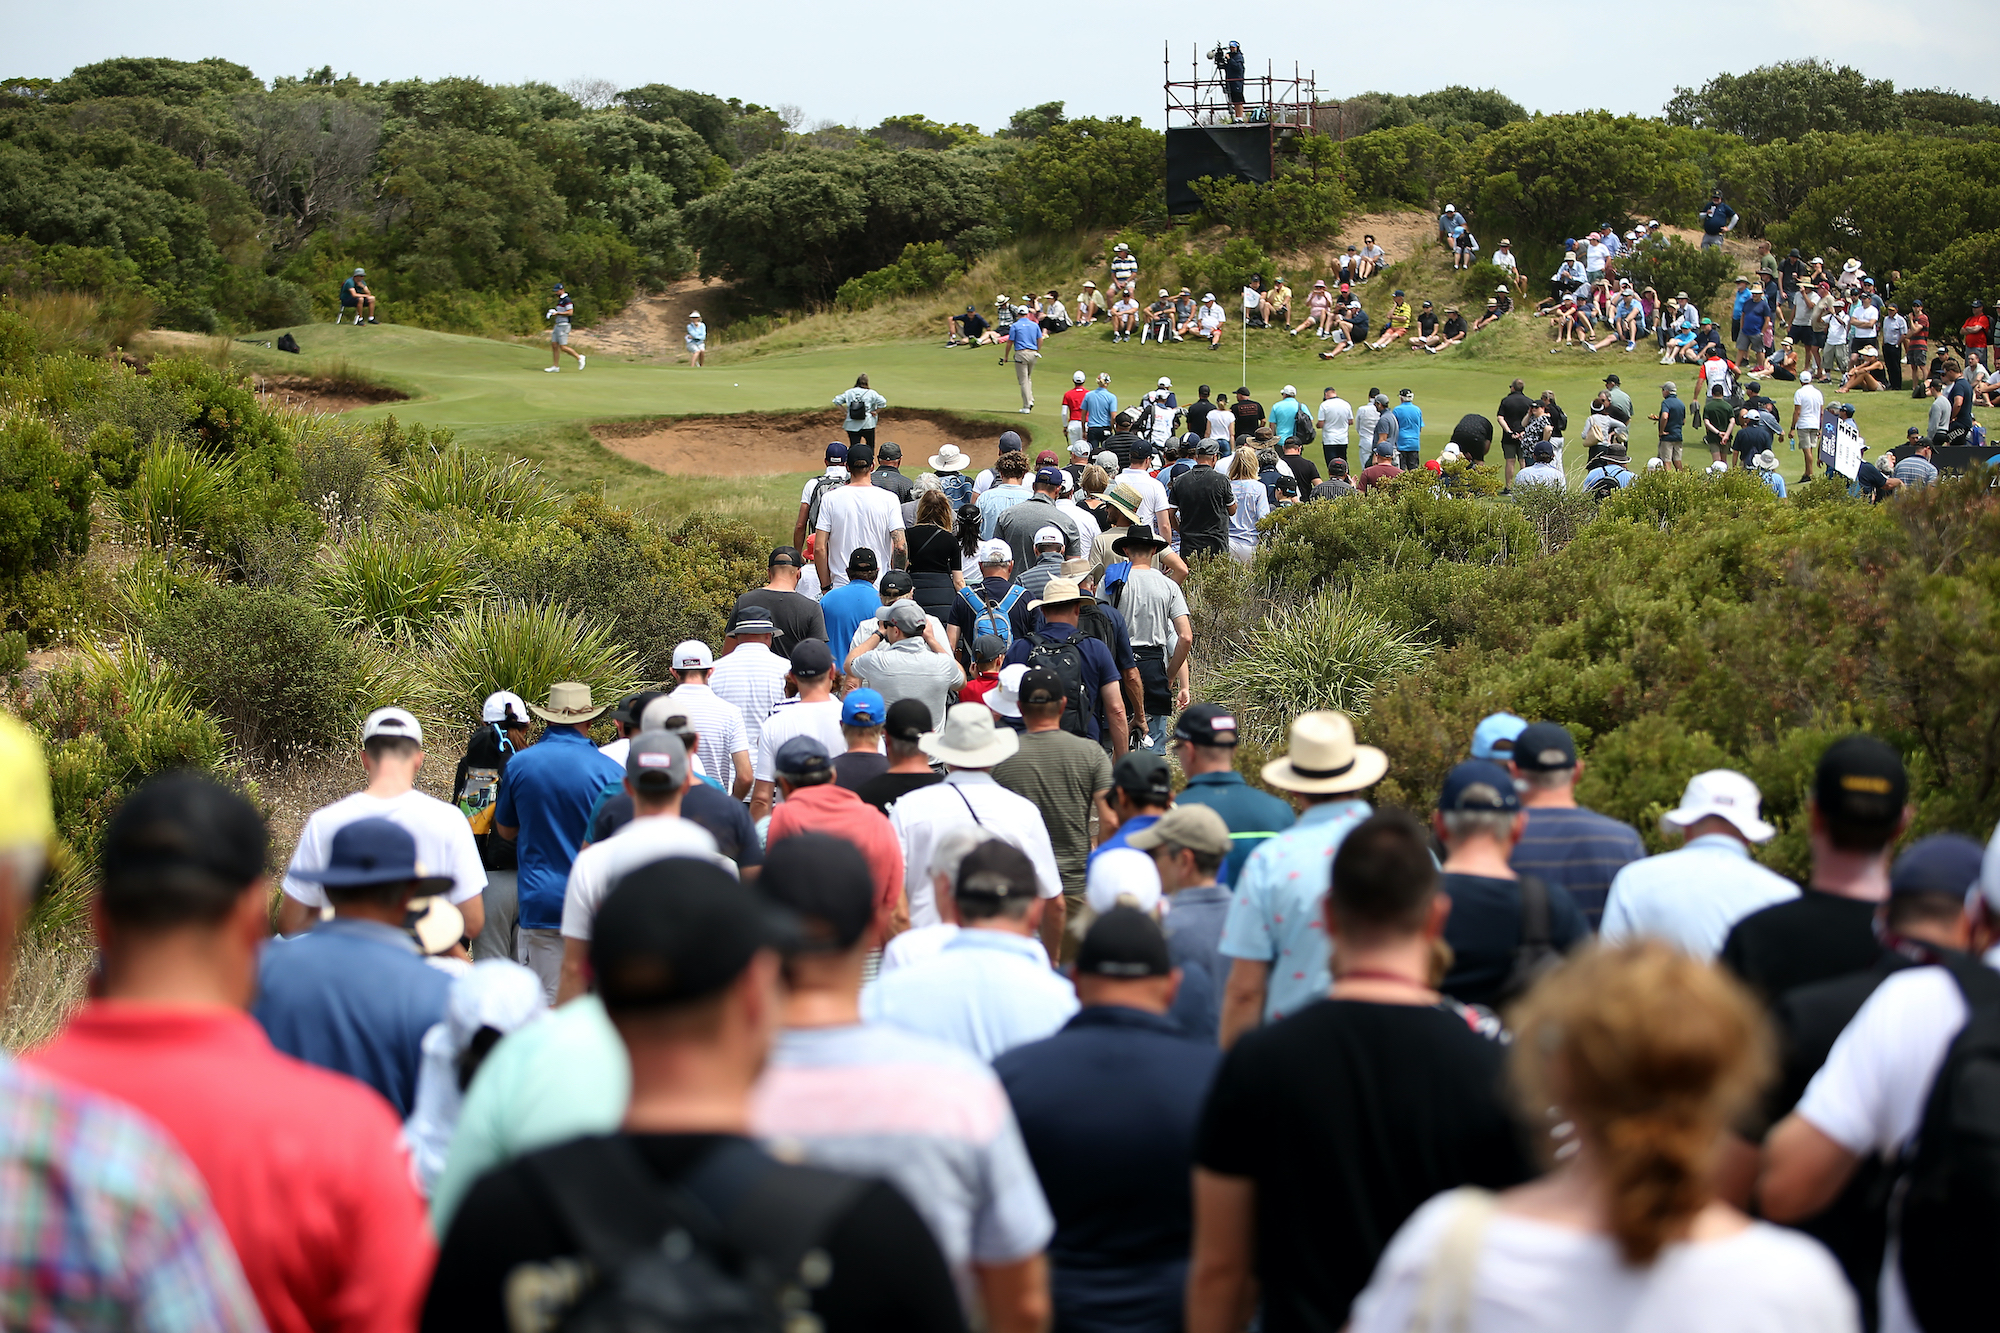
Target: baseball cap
x=1723, y=794
x=801, y=757
x=1206, y=724
x=860, y=455
x=1040, y=685
x=1046, y=458
x=1208, y=448
x=1861, y=780
x=1384, y=449
x=1165, y=383
x=632, y=705
x=1078, y=377
x=895, y=583
x=836, y=452
x=1048, y=476
x=373, y=851
x=1479, y=784
x=863, y=708
x=1944, y=863
x=1122, y=877
x=1050, y=534
x=1187, y=825
x=988, y=647
x=1005, y=698
x=692, y=655
x=503, y=706
x=753, y=619
x=1495, y=735
x=811, y=657
x=862, y=560
x=680, y=930
x=180, y=825
x=993, y=551
x=1144, y=773
x=1080, y=449
x=906, y=616
x=1544, y=747
x=825, y=883
x=1406, y=394
x=1108, y=461
x=786, y=555
x=391, y=722
x=996, y=869
x=657, y=761
x=908, y=719
x=1668, y=386
x=1124, y=944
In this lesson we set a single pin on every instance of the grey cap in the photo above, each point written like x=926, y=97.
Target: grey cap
x=657, y=761
x=906, y=616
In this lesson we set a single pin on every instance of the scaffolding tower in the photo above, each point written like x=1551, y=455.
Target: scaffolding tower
x=1205, y=136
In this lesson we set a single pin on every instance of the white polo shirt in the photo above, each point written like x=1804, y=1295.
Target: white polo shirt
x=967, y=796
x=442, y=833
x=644, y=840
x=1691, y=896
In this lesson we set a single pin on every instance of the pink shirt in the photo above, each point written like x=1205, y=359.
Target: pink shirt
x=833, y=809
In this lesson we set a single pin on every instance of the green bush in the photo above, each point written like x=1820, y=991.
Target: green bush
x=1680, y=267
x=1408, y=525
x=452, y=479
x=520, y=647
x=177, y=495
x=44, y=499
x=1226, y=271
x=922, y=268
x=393, y=585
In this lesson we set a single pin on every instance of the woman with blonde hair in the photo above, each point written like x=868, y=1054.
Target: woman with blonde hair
x=1631, y=1062
x=1252, y=503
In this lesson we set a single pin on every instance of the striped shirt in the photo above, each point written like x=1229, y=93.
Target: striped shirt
x=723, y=727
x=752, y=678
x=1580, y=850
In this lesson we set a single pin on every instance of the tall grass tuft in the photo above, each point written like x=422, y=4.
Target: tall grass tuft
x=393, y=585
x=520, y=647
x=1327, y=650
x=82, y=321
x=176, y=490
x=454, y=479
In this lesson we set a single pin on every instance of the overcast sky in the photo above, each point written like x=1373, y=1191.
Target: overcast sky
x=858, y=63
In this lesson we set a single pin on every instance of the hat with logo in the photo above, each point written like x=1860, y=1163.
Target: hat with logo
x=863, y=708
x=1721, y=794
x=1494, y=737
x=1479, y=785
x=810, y=658
x=863, y=560
x=1146, y=774
x=1124, y=944
x=802, y=757
x=392, y=722
x=1207, y=724
x=1544, y=747
x=1050, y=535
x=692, y=655
x=503, y=706
x=995, y=869
x=908, y=719
x=895, y=583
x=1039, y=685
x=836, y=452
x=1861, y=780
x=993, y=551
x=905, y=616
x=370, y=852
x=657, y=761
x=1197, y=827
x=679, y=930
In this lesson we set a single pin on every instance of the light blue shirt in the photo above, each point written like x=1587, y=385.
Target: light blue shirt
x=998, y=500
x=1099, y=406
x=1409, y=426
x=1277, y=916
x=1027, y=335
x=1542, y=474
x=1775, y=482
x=986, y=992
x=1691, y=897
x=1284, y=415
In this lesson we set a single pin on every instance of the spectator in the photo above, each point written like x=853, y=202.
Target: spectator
x=1156, y=611
x=658, y=774
x=861, y=406
x=1249, y=501
x=1054, y=317
x=857, y=516
x=990, y=988
x=889, y=472
x=1916, y=470
x=909, y=721
x=495, y=998
x=1026, y=337
x=1671, y=419
x=355, y=995
x=993, y=605
x=967, y=329
x=688, y=974
x=1544, y=471
x=988, y=652
x=1717, y=221
x=815, y=492
x=1643, y=1056
x=392, y=753
x=1019, y=522
x=862, y=716
x=1324, y=1133
x=794, y=615
x=1188, y=846
x=724, y=729
x=1067, y=778
x=812, y=711
x=851, y=605
x=815, y=803
x=752, y=676
x=1976, y=333
x=1916, y=343
x=1089, y=305
x=1502, y=924
x=1572, y=848
x=1856, y=812
x=1090, y=674
x=705, y=803
x=1278, y=949
x=303, y=1166
x=906, y=658
x=1108, y=1108
x=356, y=297
x=1010, y=473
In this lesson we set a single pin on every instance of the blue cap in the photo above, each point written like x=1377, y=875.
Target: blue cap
x=373, y=851
x=1494, y=737
x=863, y=708
x=836, y=452
x=1479, y=785
x=1944, y=863
x=801, y=757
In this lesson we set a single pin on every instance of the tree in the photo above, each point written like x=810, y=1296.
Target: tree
x=710, y=117
x=917, y=131
x=1900, y=202
x=1413, y=164
x=1768, y=183
x=306, y=158
x=1944, y=111
x=1033, y=122
x=1473, y=109
x=1302, y=205
x=175, y=82
x=1966, y=268
x=1556, y=176
x=466, y=210
x=1789, y=100
x=1087, y=173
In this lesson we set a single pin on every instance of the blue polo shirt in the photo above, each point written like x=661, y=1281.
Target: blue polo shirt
x=844, y=609
x=1098, y=668
x=550, y=790
x=1122, y=838
x=1108, y=1108
x=1194, y=942
x=1027, y=335
x=356, y=997
x=1409, y=427
x=1099, y=406
x=1252, y=815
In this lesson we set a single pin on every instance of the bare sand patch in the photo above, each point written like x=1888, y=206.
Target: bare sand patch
x=317, y=393
x=762, y=444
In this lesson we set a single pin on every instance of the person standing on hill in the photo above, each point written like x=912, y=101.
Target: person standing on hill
x=862, y=407
x=561, y=310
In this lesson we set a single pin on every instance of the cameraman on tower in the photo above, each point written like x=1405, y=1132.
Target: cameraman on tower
x=1230, y=62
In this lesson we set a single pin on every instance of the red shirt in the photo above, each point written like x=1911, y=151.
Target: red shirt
x=833, y=809
x=975, y=690
x=1072, y=406
x=305, y=1167
x=1380, y=472
x=1975, y=329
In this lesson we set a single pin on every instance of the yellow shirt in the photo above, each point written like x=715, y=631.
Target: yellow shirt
x=1399, y=315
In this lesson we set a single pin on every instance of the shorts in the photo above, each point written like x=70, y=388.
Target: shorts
x=1670, y=451
x=1510, y=447
x=1917, y=353
x=1743, y=341
x=1801, y=335
x=559, y=335
x=1819, y=338
x=1711, y=240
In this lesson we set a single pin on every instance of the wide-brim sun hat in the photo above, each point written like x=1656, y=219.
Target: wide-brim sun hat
x=569, y=702
x=950, y=459
x=969, y=738
x=1324, y=757
x=1062, y=592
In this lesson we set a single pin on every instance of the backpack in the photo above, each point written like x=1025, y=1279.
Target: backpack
x=1303, y=429
x=1950, y=1205
x=1065, y=658
x=739, y=1238
x=991, y=617
x=1112, y=585
x=1535, y=954
x=820, y=488
x=1605, y=486
x=857, y=405
x=287, y=343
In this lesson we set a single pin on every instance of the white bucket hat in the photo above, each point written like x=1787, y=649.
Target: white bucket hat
x=1323, y=757
x=1726, y=795
x=970, y=739
x=1005, y=698
x=951, y=459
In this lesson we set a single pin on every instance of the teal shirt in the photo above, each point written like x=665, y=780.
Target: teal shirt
x=1284, y=414
x=1252, y=816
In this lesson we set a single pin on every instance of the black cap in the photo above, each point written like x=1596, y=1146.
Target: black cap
x=825, y=882
x=786, y=555
x=1860, y=780
x=633, y=706
x=862, y=560
x=1206, y=724
x=1146, y=774
x=1944, y=863
x=1039, y=685
x=907, y=719
x=811, y=657
x=1124, y=944
x=987, y=647
x=676, y=931
x=1544, y=747
x=996, y=869
x=860, y=455
x=894, y=583
x=186, y=832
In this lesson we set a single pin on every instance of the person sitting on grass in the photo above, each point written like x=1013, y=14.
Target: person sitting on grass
x=1089, y=305
x=1865, y=371
x=1504, y=259
x=1571, y=325
x=1053, y=318
x=355, y=296
x=1319, y=311
x=1370, y=260
x=1341, y=343
x=1159, y=318
x=965, y=329
x=1465, y=250
x=1124, y=317
x=1493, y=312
x=1400, y=318
x=1449, y=334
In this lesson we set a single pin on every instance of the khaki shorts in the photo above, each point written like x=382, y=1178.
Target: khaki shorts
x=559, y=335
x=1670, y=451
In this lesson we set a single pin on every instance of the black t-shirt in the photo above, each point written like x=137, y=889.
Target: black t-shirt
x=886, y=1272
x=726, y=819
x=1427, y=323
x=1348, y=1116
x=1303, y=468
x=1514, y=410
x=1197, y=415
x=882, y=791
x=1201, y=505
x=1814, y=937
x=796, y=615
x=1485, y=926
x=1960, y=394
x=857, y=767
x=1125, y=444
x=1472, y=429
x=1249, y=414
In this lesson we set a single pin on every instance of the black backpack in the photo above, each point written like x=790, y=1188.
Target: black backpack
x=1950, y=1207
x=1535, y=954
x=287, y=343
x=1303, y=429
x=1605, y=486
x=857, y=407
x=820, y=488
x=735, y=1248
x=1065, y=658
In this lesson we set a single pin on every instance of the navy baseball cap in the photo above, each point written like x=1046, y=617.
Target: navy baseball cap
x=1944, y=863
x=801, y=757
x=680, y=930
x=1207, y=724
x=863, y=708
x=1048, y=476
x=1544, y=747
x=811, y=657
x=836, y=452
x=1479, y=784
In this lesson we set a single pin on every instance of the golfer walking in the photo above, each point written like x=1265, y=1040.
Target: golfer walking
x=697, y=339
x=1027, y=336
x=560, y=311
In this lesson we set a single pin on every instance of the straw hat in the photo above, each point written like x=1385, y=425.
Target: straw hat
x=1061, y=592
x=1323, y=757
x=569, y=702
x=970, y=739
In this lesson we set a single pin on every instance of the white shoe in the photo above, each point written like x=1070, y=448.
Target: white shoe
x=552, y=370
x=1026, y=410
x=580, y=359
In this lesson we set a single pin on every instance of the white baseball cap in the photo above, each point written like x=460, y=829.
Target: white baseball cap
x=1724, y=794
x=1122, y=877
x=396, y=722
x=1079, y=448
x=502, y=705
x=692, y=655
x=1288, y=392
x=1166, y=383
x=1805, y=377
x=1050, y=534
x=993, y=551
x=1078, y=377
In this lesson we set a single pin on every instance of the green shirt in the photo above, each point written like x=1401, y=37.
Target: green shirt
x=1718, y=413
x=1060, y=773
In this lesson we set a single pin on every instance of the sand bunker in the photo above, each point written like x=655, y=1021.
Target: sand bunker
x=315, y=393
x=753, y=444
